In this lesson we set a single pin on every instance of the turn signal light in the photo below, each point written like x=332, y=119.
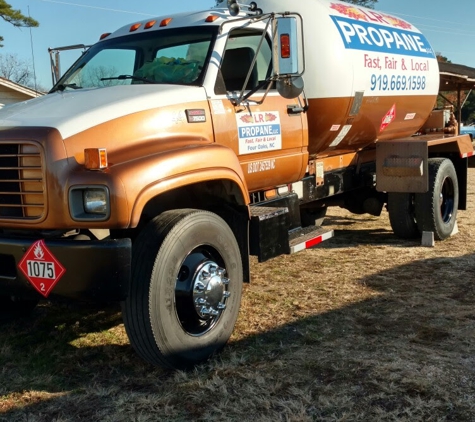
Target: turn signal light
x=285, y=46
x=95, y=158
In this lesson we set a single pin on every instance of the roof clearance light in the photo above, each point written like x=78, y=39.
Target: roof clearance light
x=95, y=158
x=211, y=18
x=135, y=27
x=105, y=35
x=148, y=25
x=165, y=22
x=285, y=46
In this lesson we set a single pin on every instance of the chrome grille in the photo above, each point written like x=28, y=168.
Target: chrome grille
x=22, y=192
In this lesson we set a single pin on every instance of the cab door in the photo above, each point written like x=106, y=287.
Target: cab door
x=269, y=136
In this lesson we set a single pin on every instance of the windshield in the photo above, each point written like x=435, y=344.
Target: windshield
x=173, y=56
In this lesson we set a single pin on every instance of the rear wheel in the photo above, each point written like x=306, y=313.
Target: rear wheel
x=402, y=215
x=436, y=210
x=186, y=288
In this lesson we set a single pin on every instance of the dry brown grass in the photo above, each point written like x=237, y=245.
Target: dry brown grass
x=365, y=327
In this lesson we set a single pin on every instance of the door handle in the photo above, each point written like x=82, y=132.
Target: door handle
x=295, y=109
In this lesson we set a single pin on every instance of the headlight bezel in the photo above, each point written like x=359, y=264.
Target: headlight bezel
x=78, y=209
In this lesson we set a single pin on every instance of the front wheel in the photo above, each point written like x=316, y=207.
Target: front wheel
x=186, y=288
x=436, y=210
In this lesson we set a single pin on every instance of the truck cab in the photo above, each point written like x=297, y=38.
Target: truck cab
x=166, y=131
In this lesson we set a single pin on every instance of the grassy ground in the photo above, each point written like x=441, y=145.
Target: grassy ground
x=365, y=327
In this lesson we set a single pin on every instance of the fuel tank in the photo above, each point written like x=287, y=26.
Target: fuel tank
x=368, y=75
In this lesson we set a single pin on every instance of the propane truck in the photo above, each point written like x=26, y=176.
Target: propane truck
x=175, y=148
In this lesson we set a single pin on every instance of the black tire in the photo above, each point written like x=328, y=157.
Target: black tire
x=12, y=308
x=186, y=264
x=436, y=210
x=402, y=215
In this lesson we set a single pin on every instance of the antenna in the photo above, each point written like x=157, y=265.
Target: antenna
x=32, y=54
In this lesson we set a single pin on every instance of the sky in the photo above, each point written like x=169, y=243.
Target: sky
x=448, y=25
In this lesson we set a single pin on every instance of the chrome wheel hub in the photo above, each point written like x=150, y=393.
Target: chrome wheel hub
x=210, y=290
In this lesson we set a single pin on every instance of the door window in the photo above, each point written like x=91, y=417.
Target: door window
x=241, y=49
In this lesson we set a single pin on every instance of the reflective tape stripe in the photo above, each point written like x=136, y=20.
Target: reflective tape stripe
x=312, y=242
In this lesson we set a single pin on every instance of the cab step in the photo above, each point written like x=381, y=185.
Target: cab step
x=308, y=237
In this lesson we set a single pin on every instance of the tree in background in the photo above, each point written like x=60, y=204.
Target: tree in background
x=467, y=98
x=18, y=71
x=15, y=69
x=15, y=17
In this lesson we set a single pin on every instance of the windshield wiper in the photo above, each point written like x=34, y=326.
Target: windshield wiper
x=62, y=87
x=135, y=78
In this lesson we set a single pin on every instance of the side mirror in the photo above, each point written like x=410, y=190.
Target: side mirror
x=286, y=47
x=287, y=55
x=290, y=87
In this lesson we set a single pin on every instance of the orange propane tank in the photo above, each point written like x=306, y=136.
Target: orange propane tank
x=369, y=75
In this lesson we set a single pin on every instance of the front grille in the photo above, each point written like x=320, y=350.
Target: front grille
x=22, y=192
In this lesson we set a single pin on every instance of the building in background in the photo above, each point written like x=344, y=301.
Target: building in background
x=11, y=92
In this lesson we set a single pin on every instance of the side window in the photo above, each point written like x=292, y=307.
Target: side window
x=241, y=49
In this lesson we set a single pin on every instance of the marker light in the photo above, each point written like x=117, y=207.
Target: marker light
x=269, y=194
x=149, y=24
x=105, y=35
x=95, y=158
x=211, y=18
x=135, y=27
x=285, y=46
x=165, y=22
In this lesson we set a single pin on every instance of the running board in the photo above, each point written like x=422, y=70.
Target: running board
x=308, y=237
x=269, y=235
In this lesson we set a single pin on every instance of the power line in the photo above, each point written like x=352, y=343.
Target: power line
x=96, y=7
x=424, y=18
x=465, y=34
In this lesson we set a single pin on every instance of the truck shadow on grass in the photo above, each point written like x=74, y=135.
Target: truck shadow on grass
x=64, y=347
x=347, y=233
x=404, y=353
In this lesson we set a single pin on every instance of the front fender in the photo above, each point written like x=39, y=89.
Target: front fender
x=152, y=175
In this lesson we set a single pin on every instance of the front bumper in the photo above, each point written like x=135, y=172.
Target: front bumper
x=96, y=270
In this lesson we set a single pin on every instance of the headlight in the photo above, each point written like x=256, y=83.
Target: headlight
x=95, y=201
x=88, y=203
